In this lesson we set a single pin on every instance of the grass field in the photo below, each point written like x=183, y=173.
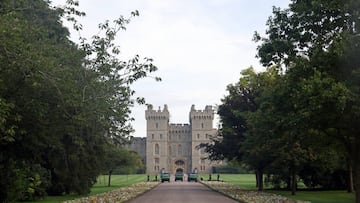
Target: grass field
x=247, y=181
x=117, y=181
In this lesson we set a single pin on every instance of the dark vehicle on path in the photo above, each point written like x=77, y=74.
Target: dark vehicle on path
x=165, y=177
x=193, y=177
x=179, y=176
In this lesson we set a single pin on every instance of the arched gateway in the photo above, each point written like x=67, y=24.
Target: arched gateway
x=179, y=166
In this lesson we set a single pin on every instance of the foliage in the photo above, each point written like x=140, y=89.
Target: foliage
x=119, y=160
x=61, y=103
x=286, y=120
x=316, y=41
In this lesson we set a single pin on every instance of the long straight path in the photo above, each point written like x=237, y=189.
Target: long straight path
x=182, y=192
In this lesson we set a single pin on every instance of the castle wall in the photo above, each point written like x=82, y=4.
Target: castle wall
x=173, y=147
x=138, y=144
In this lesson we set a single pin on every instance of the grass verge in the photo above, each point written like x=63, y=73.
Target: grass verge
x=117, y=181
x=247, y=181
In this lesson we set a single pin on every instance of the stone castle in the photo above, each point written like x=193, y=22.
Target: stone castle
x=174, y=147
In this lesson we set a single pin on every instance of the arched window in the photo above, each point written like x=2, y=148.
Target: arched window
x=179, y=162
x=202, y=125
x=156, y=148
x=170, y=150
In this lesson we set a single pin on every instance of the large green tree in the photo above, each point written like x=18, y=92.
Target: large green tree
x=61, y=103
x=317, y=42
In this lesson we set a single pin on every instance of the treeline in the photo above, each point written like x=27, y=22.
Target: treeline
x=63, y=106
x=300, y=118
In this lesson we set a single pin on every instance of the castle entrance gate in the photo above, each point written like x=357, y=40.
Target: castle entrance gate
x=179, y=166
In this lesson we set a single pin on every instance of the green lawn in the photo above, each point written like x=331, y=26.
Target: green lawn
x=117, y=181
x=247, y=181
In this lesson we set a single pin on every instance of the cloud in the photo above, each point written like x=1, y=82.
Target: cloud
x=199, y=46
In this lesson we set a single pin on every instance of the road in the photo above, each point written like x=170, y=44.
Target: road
x=180, y=192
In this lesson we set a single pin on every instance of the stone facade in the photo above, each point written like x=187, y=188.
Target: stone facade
x=173, y=147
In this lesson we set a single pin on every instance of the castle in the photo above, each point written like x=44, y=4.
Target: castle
x=174, y=147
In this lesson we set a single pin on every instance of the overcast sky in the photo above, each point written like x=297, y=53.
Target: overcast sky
x=199, y=46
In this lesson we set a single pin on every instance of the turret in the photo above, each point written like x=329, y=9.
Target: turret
x=157, y=127
x=201, y=130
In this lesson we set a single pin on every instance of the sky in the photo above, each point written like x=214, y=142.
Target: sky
x=199, y=47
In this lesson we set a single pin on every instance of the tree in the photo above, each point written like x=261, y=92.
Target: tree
x=239, y=142
x=320, y=39
x=60, y=102
x=114, y=158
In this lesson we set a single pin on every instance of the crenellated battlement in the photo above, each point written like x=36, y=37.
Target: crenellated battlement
x=179, y=127
x=207, y=113
x=179, y=124
x=160, y=114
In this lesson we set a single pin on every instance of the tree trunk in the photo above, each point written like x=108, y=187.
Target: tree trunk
x=257, y=178
x=293, y=182
x=109, y=181
x=260, y=180
x=351, y=181
x=357, y=179
x=288, y=182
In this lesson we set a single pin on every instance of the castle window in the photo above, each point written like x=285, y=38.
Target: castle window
x=179, y=162
x=179, y=150
x=198, y=136
x=202, y=125
x=169, y=137
x=161, y=136
x=157, y=148
x=202, y=161
x=157, y=160
x=157, y=125
x=170, y=150
x=152, y=136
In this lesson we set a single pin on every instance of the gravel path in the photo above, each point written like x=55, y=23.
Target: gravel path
x=182, y=192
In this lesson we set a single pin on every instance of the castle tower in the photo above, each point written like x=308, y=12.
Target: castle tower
x=201, y=123
x=157, y=128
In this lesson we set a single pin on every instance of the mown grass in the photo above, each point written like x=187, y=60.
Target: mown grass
x=117, y=181
x=247, y=181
